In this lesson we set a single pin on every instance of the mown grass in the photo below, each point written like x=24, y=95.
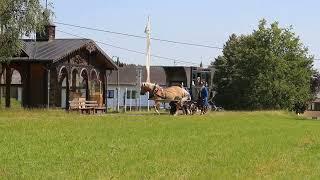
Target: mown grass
x=56, y=145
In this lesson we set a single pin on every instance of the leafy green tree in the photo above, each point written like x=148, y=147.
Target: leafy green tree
x=19, y=18
x=267, y=69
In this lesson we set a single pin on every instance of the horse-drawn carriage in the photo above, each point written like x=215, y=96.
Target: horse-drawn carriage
x=177, y=97
x=189, y=107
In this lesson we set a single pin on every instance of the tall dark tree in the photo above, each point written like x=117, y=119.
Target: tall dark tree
x=268, y=69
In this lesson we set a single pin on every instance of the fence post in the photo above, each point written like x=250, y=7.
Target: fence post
x=118, y=101
x=130, y=100
x=125, y=100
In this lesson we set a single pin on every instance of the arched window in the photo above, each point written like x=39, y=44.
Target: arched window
x=15, y=85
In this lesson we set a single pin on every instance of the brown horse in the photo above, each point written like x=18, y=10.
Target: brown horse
x=159, y=94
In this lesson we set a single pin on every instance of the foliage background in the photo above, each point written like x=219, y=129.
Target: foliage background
x=19, y=18
x=268, y=69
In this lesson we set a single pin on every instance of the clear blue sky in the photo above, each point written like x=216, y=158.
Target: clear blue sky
x=202, y=21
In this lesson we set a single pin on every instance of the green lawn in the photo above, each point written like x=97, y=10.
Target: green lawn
x=56, y=145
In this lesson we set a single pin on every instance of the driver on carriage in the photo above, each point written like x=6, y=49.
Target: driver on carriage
x=204, y=95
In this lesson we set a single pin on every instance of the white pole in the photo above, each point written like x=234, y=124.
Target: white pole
x=136, y=103
x=148, y=50
x=131, y=100
x=140, y=77
x=139, y=102
x=118, y=85
x=118, y=103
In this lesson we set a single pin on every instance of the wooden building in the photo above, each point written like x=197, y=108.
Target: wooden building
x=54, y=71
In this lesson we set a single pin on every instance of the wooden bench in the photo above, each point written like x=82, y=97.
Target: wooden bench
x=80, y=106
x=100, y=109
x=86, y=107
x=75, y=105
x=90, y=105
x=95, y=106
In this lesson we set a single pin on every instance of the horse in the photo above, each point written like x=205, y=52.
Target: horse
x=159, y=94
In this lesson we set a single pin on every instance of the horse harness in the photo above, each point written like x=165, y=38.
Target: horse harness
x=158, y=91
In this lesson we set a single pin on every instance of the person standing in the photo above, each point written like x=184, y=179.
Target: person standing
x=204, y=97
x=193, y=92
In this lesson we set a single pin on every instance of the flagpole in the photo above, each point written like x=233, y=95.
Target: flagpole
x=148, y=49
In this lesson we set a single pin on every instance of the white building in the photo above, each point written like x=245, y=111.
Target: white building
x=130, y=78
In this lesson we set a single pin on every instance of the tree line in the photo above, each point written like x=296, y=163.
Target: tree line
x=267, y=69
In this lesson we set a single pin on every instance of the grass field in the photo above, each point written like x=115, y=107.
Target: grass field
x=56, y=145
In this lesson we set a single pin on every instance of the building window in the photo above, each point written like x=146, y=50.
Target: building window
x=110, y=93
x=133, y=95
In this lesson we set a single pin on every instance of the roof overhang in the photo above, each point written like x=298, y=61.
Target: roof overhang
x=27, y=59
x=110, y=65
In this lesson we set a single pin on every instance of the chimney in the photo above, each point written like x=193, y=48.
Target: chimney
x=48, y=34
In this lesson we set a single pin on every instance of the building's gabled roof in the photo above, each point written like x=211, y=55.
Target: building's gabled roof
x=57, y=49
x=52, y=50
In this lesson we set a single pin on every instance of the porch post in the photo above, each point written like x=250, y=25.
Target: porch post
x=48, y=79
x=67, y=92
x=1, y=74
x=25, y=85
x=106, y=91
x=87, y=90
x=8, y=84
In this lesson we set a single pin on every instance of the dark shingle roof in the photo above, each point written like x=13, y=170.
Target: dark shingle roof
x=52, y=50
x=57, y=49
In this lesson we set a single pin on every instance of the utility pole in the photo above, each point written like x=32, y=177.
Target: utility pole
x=106, y=89
x=125, y=100
x=140, y=77
x=118, y=85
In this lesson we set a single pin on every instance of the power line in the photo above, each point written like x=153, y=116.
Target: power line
x=133, y=51
x=140, y=37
